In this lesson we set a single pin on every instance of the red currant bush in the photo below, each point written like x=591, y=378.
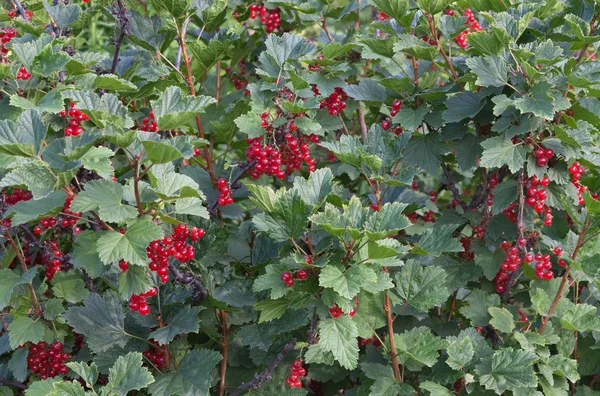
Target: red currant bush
x=227, y=198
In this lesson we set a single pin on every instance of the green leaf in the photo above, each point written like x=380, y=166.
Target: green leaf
x=193, y=377
x=106, y=197
x=173, y=110
x=88, y=373
x=338, y=336
x=47, y=62
x=130, y=246
x=478, y=309
x=287, y=220
x=347, y=283
x=85, y=253
x=63, y=15
x=42, y=387
x=101, y=320
x=435, y=389
x=69, y=286
x=411, y=119
x=160, y=152
x=498, y=151
x=394, y=8
x=33, y=174
x=318, y=186
x=25, y=211
x=507, y=369
x=502, y=319
x=98, y=160
x=462, y=105
x=168, y=183
x=104, y=111
x=387, y=221
x=9, y=280
x=24, y=329
x=366, y=89
x=18, y=364
x=418, y=347
x=460, y=352
x=439, y=240
x=490, y=70
x=421, y=287
x=426, y=152
x=281, y=49
x=128, y=374
x=185, y=321
x=146, y=31
x=505, y=193
x=416, y=47
x=191, y=206
x=112, y=82
x=581, y=317
x=538, y=101
x=135, y=280
x=25, y=137
x=562, y=366
x=262, y=336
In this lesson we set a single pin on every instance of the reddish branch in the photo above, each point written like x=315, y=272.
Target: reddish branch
x=261, y=378
x=565, y=278
x=390, y=324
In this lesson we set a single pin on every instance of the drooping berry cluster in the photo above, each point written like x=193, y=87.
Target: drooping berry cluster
x=474, y=26
x=23, y=74
x=296, y=150
x=297, y=370
x=138, y=302
x=157, y=355
x=237, y=76
x=466, y=243
x=336, y=102
x=47, y=360
x=336, y=311
x=510, y=264
x=17, y=195
x=175, y=246
x=269, y=17
x=268, y=159
x=543, y=265
x=225, y=197
x=149, y=123
x=288, y=278
x=6, y=35
x=543, y=155
x=67, y=219
x=75, y=118
x=374, y=340
x=427, y=217
x=387, y=123
x=576, y=172
x=52, y=257
x=536, y=197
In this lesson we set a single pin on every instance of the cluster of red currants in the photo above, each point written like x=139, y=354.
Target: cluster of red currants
x=296, y=150
x=536, y=197
x=239, y=81
x=47, y=360
x=297, y=370
x=543, y=155
x=17, y=195
x=335, y=102
x=157, y=355
x=53, y=261
x=336, y=311
x=466, y=243
x=510, y=264
x=387, y=123
x=149, y=123
x=288, y=278
x=427, y=217
x=175, y=246
x=270, y=17
x=492, y=183
x=576, y=172
x=76, y=118
x=268, y=159
x=137, y=302
x=543, y=263
x=374, y=340
x=225, y=197
x=23, y=74
x=67, y=219
x=474, y=26
x=6, y=35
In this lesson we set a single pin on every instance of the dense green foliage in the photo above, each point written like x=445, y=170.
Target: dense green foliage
x=372, y=197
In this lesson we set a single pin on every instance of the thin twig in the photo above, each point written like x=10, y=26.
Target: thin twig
x=224, y=350
x=21, y=9
x=363, y=124
x=199, y=292
x=388, y=311
x=15, y=384
x=443, y=52
x=136, y=186
x=325, y=29
x=218, y=90
x=36, y=303
x=124, y=29
x=261, y=378
x=452, y=187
